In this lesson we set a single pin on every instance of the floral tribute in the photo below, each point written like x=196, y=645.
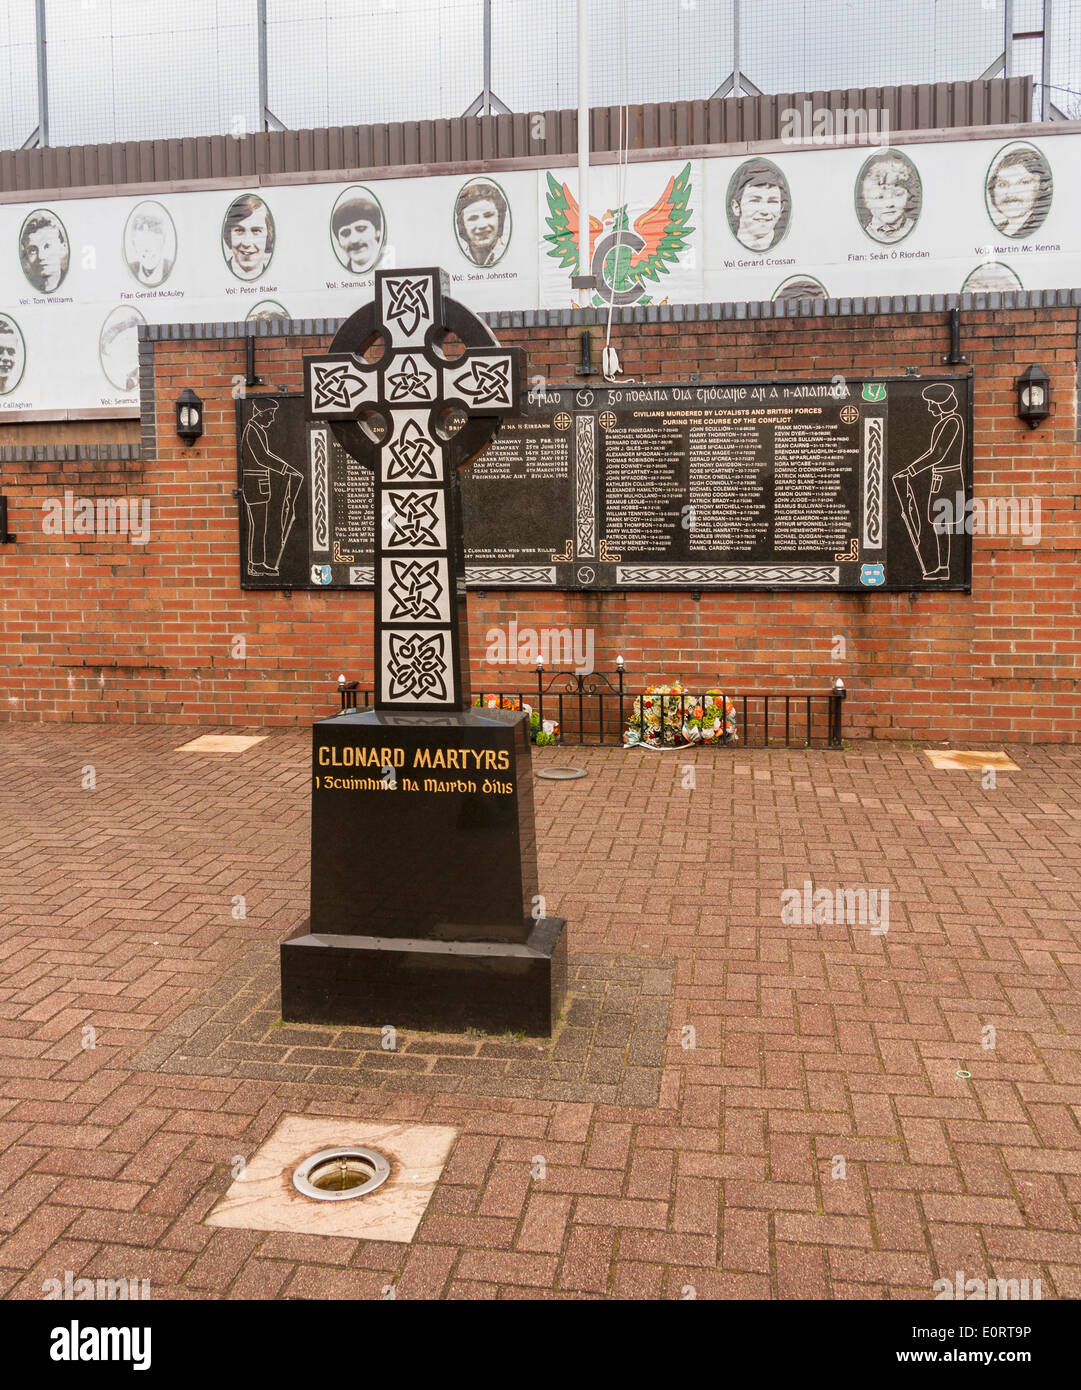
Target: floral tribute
x=541, y=731
x=671, y=716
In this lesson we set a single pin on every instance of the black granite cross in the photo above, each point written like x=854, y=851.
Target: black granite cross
x=415, y=416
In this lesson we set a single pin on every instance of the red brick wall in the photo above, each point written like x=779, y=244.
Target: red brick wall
x=98, y=628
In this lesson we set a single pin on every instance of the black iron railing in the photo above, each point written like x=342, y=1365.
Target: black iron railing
x=598, y=710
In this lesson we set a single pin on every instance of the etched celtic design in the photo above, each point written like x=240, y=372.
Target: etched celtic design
x=338, y=386
x=510, y=574
x=412, y=455
x=486, y=382
x=416, y=502
x=873, y=462
x=852, y=553
x=411, y=382
x=585, y=486
x=417, y=666
x=408, y=304
x=415, y=590
x=415, y=521
x=727, y=574
x=320, y=490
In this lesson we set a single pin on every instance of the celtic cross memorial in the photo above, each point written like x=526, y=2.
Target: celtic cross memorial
x=408, y=403
x=424, y=904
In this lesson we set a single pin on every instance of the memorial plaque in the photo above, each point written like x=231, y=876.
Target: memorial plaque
x=848, y=484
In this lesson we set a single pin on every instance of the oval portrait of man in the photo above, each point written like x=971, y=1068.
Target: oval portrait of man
x=759, y=205
x=265, y=311
x=800, y=287
x=12, y=355
x=247, y=237
x=992, y=277
x=149, y=244
x=118, y=347
x=44, y=250
x=482, y=222
x=1018, y=190
x=889, y=196
x=357, y=229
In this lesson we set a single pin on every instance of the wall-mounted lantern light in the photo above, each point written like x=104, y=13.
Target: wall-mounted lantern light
x=189, y=416
x=1033, y=396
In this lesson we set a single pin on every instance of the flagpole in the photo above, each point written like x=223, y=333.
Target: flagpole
x=583, y=280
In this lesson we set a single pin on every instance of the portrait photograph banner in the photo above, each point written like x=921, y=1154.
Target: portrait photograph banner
x=939, y=217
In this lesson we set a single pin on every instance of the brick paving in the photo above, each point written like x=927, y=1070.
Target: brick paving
x=734, y=1104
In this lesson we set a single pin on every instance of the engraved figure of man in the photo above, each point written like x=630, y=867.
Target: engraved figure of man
x=931, y=490
x=270, y=488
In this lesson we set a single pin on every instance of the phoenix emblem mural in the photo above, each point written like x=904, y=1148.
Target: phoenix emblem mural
x=623, y=257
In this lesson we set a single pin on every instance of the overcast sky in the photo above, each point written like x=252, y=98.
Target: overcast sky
x=141, y=69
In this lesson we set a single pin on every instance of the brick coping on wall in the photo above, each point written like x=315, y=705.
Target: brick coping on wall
x=655, y=313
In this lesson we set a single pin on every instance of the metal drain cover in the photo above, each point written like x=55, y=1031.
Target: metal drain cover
x=562, y=774
x=339, y=1175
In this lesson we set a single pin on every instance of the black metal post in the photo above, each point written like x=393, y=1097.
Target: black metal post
x=585, y=366
x=955, y=356
x=837, y=696
x=250, y=378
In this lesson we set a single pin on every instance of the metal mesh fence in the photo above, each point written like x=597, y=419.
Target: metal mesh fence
x=354, y=62
x=667, y=50
x=18, y=75
x=143, y=69
x=119, y=71
x=1065, y=67
x=806, y=45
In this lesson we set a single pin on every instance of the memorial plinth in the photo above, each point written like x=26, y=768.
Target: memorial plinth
x=424, y=904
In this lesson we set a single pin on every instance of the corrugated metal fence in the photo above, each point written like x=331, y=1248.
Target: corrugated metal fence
x=470, y=139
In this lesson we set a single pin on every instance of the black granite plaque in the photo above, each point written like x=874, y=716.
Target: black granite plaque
x=424, y=904
x=448, y=800
x=850, y=484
